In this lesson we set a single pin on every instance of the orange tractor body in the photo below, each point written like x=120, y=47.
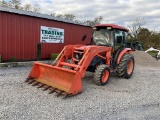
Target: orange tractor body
x=101, y=57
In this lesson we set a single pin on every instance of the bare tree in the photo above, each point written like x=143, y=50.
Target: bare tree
x=3, y=3
x=15, y=4
x=59, y=15
x=89, y=22
x=97, y=20
x=69, y=17
x=36, y=9
x=64, y=16
x=27, y=7
x=73, y=18
x=135, y=26
x=53, y=14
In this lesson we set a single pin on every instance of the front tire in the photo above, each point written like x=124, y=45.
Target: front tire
x=126, y=66
x=101, y=75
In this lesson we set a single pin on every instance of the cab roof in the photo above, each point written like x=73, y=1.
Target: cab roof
x=114, y=26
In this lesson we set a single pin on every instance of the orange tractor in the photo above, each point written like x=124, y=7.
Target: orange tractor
x=106, y=53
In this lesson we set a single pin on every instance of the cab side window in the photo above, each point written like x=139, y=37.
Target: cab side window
x=118, y=39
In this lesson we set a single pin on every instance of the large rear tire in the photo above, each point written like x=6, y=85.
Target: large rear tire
x=126, y=66
x=101, y=75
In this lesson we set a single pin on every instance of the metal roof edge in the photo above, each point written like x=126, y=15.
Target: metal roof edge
x=39, y=15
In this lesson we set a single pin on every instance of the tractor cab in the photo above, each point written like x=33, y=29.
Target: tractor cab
x=103, y=36
x=109, y=35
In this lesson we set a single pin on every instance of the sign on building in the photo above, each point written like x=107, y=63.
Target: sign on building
x=51, y=35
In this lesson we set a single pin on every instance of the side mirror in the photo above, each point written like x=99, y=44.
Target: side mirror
x=84, y=37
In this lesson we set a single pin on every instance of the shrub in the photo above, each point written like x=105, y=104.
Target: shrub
x=13, y=59
x=53, y=56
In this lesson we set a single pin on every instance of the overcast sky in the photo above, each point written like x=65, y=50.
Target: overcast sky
x=121, y=12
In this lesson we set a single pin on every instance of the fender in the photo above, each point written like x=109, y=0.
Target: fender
x=122, y=53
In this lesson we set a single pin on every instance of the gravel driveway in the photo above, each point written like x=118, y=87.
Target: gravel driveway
x=135, y=99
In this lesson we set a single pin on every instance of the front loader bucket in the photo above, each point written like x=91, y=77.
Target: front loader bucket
x=65, y=81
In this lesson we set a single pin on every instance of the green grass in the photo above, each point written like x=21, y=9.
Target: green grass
x=152, y=53
x=13, y=59
x=54, y=56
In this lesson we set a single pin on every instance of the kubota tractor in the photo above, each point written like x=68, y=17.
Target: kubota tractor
x=106, y=52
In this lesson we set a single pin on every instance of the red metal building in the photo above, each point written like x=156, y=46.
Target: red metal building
x=20, y=34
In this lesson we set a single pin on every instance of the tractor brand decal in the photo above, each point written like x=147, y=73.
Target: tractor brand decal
x=51, y=35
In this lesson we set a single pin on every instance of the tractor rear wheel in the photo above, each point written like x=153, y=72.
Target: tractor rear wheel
x=101, y=75
x=126, y=66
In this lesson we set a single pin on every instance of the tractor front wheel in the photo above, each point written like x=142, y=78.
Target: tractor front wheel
x=101, y=75
x=126, y=66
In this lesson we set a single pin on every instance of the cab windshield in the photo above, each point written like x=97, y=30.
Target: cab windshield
x=103, y=37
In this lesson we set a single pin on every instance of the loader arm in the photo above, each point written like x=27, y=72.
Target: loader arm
x=87, y=55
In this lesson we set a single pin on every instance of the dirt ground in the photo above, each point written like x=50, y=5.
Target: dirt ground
x=136, y=98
